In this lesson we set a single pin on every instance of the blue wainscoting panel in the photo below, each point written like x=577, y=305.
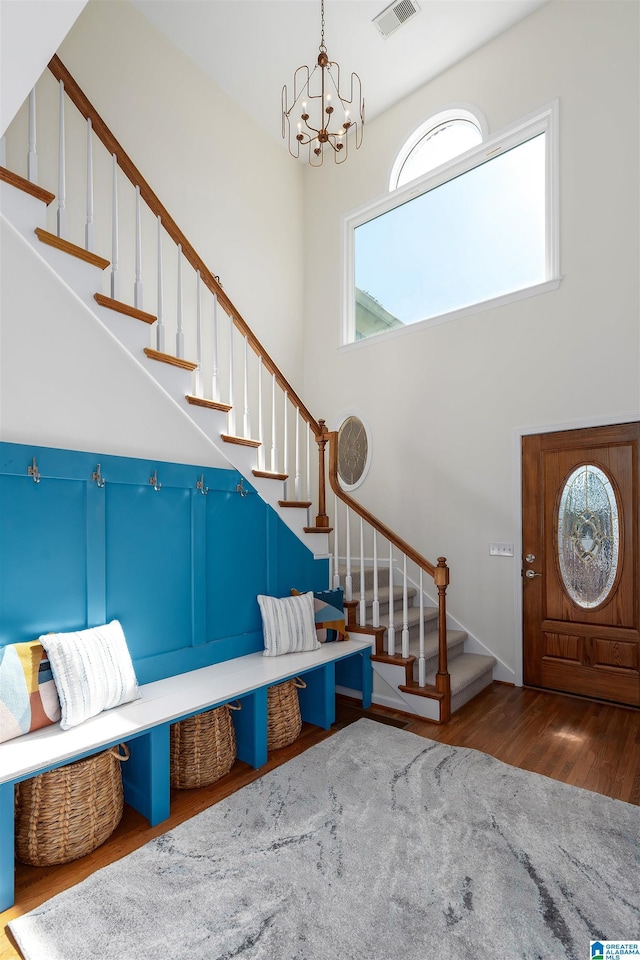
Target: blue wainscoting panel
x=148, y=566
x=43, y=581
x=296, y=566
x=180, y=569
x=237, y=552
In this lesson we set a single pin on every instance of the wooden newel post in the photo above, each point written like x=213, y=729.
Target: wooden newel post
x=322, y=520
x=443, y=680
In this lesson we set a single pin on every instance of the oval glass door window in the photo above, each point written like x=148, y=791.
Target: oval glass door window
x=588, y=536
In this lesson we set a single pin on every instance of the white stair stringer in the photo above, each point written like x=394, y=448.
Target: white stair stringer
x=22, y=214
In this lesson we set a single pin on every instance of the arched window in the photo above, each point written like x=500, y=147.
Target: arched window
x=470, y=222
x=436, y=141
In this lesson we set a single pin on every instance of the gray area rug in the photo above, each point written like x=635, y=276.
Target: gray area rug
x=375, y=844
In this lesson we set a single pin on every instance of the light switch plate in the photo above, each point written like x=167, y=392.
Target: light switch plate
x=501, y=549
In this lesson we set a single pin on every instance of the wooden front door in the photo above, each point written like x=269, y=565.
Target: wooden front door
x=580, y=569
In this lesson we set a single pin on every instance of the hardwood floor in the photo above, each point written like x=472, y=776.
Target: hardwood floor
x=590, y=745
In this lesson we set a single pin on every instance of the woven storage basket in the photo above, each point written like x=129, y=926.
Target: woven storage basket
x=203, y=748
x=284, y=721
x=65, y=813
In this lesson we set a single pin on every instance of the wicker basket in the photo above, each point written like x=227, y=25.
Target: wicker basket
x=65, y=813
x=203, y=748
x=284, y=721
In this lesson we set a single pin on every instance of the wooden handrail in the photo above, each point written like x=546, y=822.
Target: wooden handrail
x=439, y=572
x=382, y=528
x=130, y=170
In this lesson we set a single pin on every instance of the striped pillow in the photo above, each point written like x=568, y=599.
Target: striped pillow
x=288, y=624
x=92, y=670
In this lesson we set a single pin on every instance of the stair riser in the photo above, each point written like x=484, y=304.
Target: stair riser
x=383, y=608
x=383, y=578
x=431, y=663
x=472, y=690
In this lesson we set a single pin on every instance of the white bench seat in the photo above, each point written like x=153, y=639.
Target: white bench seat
x=144, y=725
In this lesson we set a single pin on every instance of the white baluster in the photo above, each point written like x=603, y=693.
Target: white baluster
x=405, y=609
x=421, y=659
x=160, y=326
x=89, y=243
x=308, y=487
x=363, y=601
x=261, y=455
x=114, y=230
x=215, y=379
x=3, y=151
x=336, y=546
x=376, y=601
x=198, y=336
x=296, y=479
x=274, y=443
x=348, y=580
x=32, y=156
x=391, y=629
x=246, y=425
x=61, y=221
x=285, y=468
x=231, y=419
x=180, y=331
x=137, y=287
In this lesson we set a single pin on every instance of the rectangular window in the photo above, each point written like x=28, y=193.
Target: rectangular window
x=478, y=232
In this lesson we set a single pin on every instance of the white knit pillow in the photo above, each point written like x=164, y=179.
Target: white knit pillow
x=92, y=670
x=288, y=624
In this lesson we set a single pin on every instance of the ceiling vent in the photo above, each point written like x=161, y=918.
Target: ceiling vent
x=393, y=16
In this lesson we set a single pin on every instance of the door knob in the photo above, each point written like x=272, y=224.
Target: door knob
x=530, y=574
x=530, y=557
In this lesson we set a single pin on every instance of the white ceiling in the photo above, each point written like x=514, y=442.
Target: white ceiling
x=252, y=47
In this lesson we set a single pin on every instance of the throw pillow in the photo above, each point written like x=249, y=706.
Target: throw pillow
x=329, y=615
x=92, y=670
x=28, y=696
x=288, y=624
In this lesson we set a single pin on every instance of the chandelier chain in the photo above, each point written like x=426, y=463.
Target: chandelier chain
x=323, y=48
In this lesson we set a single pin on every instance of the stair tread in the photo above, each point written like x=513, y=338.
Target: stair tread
x=170, y=359
x=431, y=643
x=208, y=404
x=465, y=669
x=124, y=308
x=413, y=617
x=383, y=595
x=21, y=183
x=52, y=240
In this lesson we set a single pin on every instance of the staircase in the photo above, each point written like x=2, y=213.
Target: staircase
x=420, y=653
x=470, y=672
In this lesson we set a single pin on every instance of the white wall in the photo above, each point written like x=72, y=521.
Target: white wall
x=447, y=404
x=66, y=382
x=233, y=191
x=30, y=34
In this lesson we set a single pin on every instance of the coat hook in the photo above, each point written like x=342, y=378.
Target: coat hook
x=33, y=471
x=240, y=489
x=153, y=480
x=97, y=476
x=201, y=487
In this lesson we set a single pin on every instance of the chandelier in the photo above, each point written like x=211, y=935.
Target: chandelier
x=320, y=116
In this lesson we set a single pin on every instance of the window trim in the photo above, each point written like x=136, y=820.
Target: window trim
x=545, y=120
x=456, y=112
